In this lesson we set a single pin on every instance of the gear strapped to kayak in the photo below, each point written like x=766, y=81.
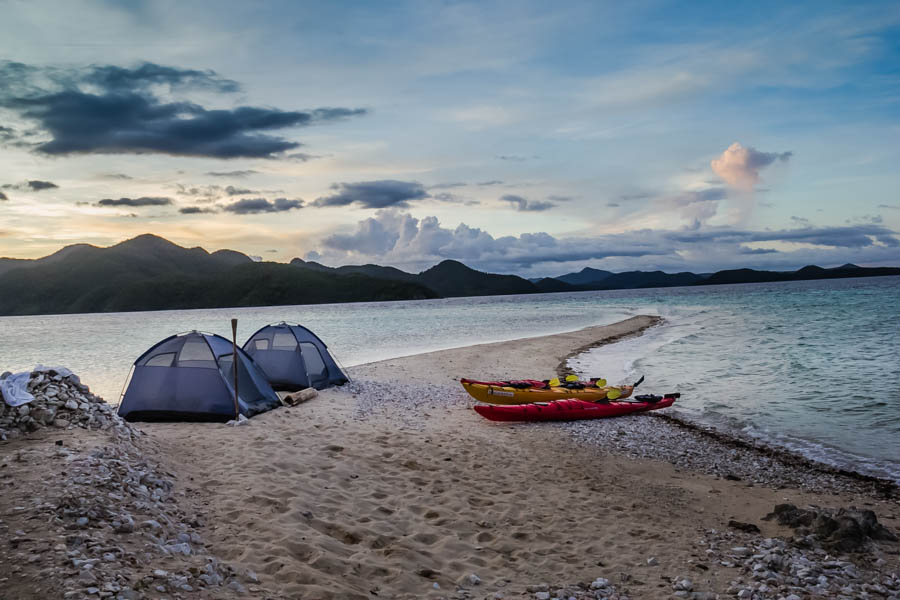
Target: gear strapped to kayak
x=528, y=390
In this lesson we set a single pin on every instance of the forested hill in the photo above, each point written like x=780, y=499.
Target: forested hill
x=151, y=273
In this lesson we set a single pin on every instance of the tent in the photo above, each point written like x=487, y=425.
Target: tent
x=293, y=357
x=190, y=377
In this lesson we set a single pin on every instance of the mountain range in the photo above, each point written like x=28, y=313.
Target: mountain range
x=151, y=273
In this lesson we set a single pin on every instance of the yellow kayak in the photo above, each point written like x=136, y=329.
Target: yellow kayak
x=493, y=394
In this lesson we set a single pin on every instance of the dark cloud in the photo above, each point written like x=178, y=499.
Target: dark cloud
x=116, y=176
x=613, y=204
x=374, y=194
x=112, y=78
x=514, y=157
x=252, y=206
x=6, y=133
x=890, y=206
x=195, y=210
x=491, y=182
x=33, y=185
x=239, y=173
x=142, y=201
x=3, y=196
x=523, y=205
x=115, y=110
x=302, y=156
x=235, y=191
x=800, y=220
x=447, y=186
x=36, y=185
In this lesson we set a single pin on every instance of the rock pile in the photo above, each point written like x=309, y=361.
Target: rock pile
x=841, y=530
x=60, y=401
x=776, y=568
x=111, y=524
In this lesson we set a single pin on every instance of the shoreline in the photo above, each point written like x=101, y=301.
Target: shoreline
x=391, y=487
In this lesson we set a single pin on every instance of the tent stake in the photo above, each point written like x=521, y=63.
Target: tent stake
x=234, y=362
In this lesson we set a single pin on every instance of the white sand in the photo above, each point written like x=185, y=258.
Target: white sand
x=339, y=498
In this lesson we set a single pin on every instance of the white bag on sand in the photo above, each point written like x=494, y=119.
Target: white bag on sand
x=14, y=389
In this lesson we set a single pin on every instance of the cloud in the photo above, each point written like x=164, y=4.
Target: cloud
x=446, y=186
x=238, y=173
x=491, y=182
x=302, y=156
x=637, y=196
x=454, y=199
x=890, y=206
x=740, y=166
x=33, y=185
x=37, y=185
x=252, y=206
x=195, y=210
x=115, y=110
x=523, y=205
x=3, y=196
x=109, y=77
x=613, y=204
x=142, y=201
x=116, y=176
x=235, y=191
x=212, y=192
x=515, y=157
x=397, y=238
x=374, y=194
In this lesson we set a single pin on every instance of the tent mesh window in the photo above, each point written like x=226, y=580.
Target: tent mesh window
x=284, y=341
x=165, y=359
x=196, y=353
x=315, y=365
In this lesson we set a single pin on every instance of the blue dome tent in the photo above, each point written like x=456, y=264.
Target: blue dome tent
x=190, y=377
x=293, y=357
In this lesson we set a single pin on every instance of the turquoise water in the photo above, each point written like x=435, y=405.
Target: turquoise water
x=814, y=366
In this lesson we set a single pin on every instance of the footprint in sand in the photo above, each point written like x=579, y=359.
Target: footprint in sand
x=426, y=538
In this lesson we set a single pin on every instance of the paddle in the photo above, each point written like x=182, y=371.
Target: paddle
x=234, y=364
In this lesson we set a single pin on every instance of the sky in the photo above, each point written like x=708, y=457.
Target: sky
x=522, y=137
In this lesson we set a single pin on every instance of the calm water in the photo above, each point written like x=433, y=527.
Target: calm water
x=811, y=365
x=814, y=366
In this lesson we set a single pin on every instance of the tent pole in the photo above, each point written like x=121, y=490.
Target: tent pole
x=234, y=363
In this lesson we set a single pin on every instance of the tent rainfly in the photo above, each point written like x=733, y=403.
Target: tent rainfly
x=293, y=357
x=189, y=377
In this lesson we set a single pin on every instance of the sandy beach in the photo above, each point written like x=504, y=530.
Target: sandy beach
x=391, y=487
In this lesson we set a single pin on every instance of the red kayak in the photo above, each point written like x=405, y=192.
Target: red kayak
x=571, y=410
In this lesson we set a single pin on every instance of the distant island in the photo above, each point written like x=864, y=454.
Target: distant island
x=151, y=273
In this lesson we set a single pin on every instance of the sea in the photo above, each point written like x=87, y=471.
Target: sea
x=809, y=366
